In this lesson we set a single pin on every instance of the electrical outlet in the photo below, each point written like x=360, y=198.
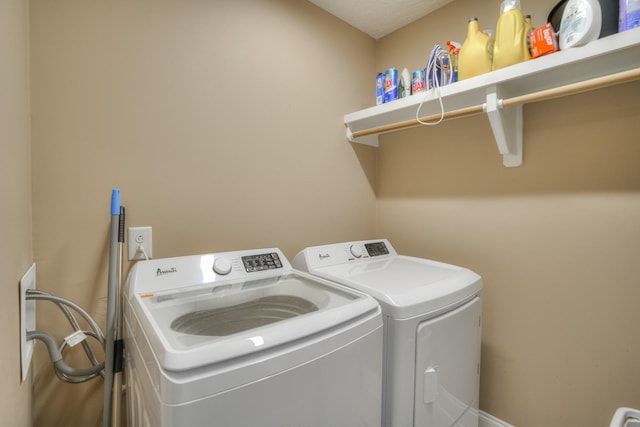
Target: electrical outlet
x=139, y=238
x=27, y=318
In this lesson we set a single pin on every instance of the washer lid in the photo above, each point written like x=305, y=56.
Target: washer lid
x=199, y=325
x=406, y=286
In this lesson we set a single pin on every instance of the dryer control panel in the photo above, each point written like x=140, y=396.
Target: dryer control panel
x=342, y=253
x=376, y=248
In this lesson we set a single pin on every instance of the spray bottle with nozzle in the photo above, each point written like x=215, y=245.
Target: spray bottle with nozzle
x=454, y=51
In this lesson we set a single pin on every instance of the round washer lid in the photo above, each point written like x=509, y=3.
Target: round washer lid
x=178, y=351
x=406, y=286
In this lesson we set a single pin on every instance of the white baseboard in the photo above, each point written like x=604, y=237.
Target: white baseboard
x=488, y=420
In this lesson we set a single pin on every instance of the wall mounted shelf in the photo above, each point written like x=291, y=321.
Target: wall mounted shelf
x=502, y=93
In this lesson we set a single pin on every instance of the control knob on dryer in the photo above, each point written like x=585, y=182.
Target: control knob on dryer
x=222, y=266
x=356, y=251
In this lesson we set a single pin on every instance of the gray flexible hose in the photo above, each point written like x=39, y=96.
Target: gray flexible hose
x=92, y=359
x=56, y=356
x=64, y=304
x=97, y=334
x=48, y=297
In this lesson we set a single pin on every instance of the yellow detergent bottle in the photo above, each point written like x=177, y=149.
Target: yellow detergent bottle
x=528, y=27
x=510, y=45
x=476, y=52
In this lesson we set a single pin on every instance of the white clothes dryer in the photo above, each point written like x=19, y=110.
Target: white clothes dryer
x=240, y=339
x=432, y=322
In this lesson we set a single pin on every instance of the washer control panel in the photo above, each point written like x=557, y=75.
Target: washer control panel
x=261, y=262
x=162, y=275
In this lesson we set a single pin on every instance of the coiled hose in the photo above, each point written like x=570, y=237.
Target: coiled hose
x=62, y=370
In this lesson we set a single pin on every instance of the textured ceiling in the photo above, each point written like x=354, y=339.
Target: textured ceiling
x=379, y=17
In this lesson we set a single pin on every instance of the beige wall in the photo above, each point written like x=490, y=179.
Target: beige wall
x=15, y=208
x=221, y=123
x=555, y=240
x=192, y=108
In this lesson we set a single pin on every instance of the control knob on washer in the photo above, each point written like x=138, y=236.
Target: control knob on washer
x=355, y=251
x=222, y=266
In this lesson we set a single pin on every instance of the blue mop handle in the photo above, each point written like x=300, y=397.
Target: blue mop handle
x=115, y=201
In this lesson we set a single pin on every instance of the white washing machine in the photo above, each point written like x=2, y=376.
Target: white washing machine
x=432, y=321
x=240, y=339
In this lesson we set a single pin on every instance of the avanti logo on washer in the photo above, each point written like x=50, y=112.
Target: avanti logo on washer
x=160, y=272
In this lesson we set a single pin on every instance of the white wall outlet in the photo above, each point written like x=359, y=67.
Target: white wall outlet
x=27, y=319
x=140, y=245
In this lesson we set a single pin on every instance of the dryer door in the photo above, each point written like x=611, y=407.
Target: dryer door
x=448, y=368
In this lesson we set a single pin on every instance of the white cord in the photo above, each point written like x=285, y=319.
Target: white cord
x=140, y=248
x=432, y=80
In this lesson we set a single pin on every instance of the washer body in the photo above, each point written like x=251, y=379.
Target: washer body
x=432, y=322
x=240, y=339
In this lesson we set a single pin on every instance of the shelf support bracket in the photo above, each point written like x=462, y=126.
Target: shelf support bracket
x=371, y=140
x=506, y=125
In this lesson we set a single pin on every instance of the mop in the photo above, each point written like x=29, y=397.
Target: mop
x=112, y=343
x=111, y=309
x=119, y=343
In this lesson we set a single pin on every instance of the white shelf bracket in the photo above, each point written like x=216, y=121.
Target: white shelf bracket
x=506, y=125
x=371, y=140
